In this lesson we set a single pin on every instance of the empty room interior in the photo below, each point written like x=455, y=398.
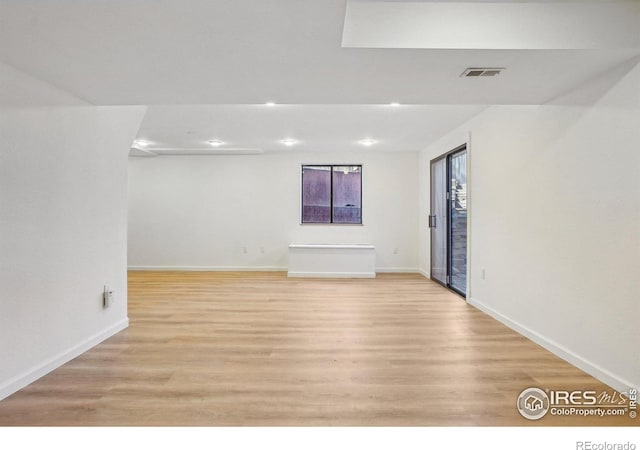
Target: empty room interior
x=319, y=213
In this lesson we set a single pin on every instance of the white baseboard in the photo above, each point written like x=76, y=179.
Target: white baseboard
x=397, y=270
x=607, y=377
x=254, y=269
x=211, y=268
x=332, y=274
x=18, y=382
x=424, y=273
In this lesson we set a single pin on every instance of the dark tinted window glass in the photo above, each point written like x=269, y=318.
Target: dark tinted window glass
x=316, y=194
x=347, y=185
x=332, y=194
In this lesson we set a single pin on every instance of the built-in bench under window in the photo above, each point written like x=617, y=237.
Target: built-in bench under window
x=332, y=260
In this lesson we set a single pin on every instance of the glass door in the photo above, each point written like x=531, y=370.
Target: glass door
x=438, y=220
x=448, y=220
x=458, y=221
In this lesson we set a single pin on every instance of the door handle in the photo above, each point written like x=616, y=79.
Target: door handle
x=432, y=221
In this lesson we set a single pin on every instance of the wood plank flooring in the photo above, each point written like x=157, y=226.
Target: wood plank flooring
x=211, y=348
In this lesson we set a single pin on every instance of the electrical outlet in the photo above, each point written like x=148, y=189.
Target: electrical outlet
x=107, y=296
x=395, y=251
x=483, y=274
x=261, y=249
x=244, y=250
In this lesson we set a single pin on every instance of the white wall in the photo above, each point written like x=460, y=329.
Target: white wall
x=555, y=221
x=201, y=212
x=63, y=178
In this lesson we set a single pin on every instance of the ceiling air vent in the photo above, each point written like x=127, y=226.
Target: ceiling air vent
x=482, y=72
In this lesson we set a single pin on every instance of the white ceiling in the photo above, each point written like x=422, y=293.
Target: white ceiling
x=508, y=26
x=176, y=54
x=252, y=51
x=316, y=127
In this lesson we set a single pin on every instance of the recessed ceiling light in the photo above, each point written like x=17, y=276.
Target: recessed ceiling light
x=270, y=104
x=215, y=142
x=394, y=104
x=140, y=143
x=368, y=142
x=289, y=142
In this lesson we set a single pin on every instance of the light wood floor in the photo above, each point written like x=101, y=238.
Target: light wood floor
x=262, y=349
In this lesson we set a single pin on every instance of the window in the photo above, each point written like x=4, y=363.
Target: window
x=332, y=194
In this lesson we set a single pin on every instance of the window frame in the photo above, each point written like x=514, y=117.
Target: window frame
x=331, y=166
